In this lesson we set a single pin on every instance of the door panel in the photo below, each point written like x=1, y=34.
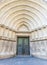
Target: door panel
x=23, y=46
x=20, y=46
x=26, y=46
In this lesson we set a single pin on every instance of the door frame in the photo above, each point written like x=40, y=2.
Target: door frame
x=28, y=43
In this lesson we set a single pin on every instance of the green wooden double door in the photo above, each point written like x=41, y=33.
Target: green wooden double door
x=23, y=47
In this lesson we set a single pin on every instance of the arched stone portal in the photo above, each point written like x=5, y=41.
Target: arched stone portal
x=23, y=18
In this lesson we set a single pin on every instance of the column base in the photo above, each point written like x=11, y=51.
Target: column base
x=38, y=55
x=7, y=55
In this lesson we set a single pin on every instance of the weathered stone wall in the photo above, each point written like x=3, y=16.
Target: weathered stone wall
x=23, y=18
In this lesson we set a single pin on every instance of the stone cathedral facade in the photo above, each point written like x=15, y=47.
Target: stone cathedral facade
x=23, y=28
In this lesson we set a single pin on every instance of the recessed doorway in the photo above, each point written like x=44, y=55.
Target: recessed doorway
x=23, y=47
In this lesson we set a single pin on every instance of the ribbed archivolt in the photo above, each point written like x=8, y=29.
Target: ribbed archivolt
x=12, y=10
x=31, y=11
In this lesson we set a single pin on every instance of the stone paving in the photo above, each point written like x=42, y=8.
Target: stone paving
x=23, y=61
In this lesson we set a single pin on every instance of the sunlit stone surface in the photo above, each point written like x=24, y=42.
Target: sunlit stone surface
x=25, y=18
x=23, y=60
